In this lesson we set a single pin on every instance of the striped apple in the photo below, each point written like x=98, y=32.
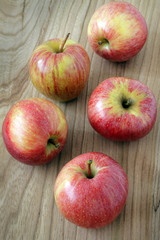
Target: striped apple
x=34, y=131
x=91, y=190
x=122, y=109
x=59, y=69
x=117, y=31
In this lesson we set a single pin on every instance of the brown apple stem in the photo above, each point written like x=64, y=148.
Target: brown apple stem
x=63, y=43
x=89, y=162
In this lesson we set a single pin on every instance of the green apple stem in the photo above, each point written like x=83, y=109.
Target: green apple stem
x=63, y=43
x=89, y=162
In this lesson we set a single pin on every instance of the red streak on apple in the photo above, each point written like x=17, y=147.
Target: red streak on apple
x=91, y=202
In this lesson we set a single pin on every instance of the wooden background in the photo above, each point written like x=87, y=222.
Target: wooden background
x=27, y=206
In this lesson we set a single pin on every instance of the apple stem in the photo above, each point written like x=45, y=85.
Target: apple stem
x=63, y=43
x=89, y=162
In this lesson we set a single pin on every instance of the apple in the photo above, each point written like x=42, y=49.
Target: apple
x=34, y=131
x=117, y=31
x=59, y=69
x=91, y=190
x=122, y=109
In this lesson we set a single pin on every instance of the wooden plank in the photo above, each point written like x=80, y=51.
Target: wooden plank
x=27, y=206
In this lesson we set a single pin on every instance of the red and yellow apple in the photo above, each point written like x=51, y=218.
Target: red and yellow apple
x=122, y=109
x=91, y=190
x=59, y=69
x=34, y=131
x=117, y=31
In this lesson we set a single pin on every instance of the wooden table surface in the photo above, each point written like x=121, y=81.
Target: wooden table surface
x=27, y=206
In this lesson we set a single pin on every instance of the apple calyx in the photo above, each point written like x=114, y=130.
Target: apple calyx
x=63, y=43
x=52, y=142
x=126, y=103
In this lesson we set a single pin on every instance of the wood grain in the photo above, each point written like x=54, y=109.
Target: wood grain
x=27, y=207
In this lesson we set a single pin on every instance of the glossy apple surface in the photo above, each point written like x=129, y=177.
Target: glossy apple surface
x=117, y=31
x=93, y=194
x=59, y=74
x=34, y=131
x=122, y=109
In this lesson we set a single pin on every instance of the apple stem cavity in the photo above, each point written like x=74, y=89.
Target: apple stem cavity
x=89, y=162
x=52, y=142
x=64, y=42
x=126, y=103
x=103, y=41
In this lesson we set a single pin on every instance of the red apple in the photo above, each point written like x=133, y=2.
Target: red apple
x=117, y=31
x=91, y=190
x=59, y=69
x=34, y=131
x=122, y=109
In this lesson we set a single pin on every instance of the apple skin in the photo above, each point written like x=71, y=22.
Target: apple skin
x=59, y=75
x=117, y=31
x=28, y=126
x=95, y=202
x=112, y=118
